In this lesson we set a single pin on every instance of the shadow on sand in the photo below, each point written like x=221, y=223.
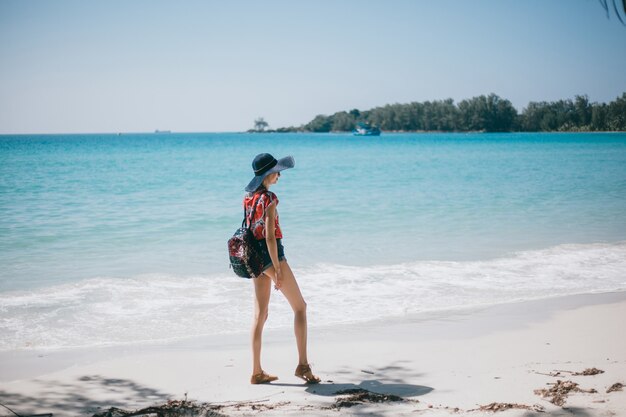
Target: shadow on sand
x=562, y=412
x=371, y=385
x=77, y=398
x=392, y=380
x=94, y=394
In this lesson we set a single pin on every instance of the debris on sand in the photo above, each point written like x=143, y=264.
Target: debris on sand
x=560, y=390
x=257, y=406
x=358, y=396
x=615, y=387
x=173, y=408
x=495, y=407
x=588, y=372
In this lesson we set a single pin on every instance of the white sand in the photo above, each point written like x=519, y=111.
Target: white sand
x=446, y=361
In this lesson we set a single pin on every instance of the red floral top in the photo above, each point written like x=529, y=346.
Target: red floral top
x=258, y=221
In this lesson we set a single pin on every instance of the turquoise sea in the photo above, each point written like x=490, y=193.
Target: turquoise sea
x=108, y=239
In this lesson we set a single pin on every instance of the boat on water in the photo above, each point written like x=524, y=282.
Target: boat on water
x=364, y=129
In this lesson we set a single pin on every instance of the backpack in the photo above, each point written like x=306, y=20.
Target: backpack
x=244, y=251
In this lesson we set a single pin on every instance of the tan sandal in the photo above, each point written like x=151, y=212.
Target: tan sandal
x=304, y=372
x=262, y=378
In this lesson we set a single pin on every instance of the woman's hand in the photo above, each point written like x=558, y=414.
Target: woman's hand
x=278, y=278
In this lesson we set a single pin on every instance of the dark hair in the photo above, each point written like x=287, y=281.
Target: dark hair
x=261, y=188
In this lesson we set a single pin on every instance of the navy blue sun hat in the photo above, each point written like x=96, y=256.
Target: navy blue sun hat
x=265, y=164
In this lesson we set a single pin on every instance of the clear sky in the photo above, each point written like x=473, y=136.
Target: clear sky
x=201, y=66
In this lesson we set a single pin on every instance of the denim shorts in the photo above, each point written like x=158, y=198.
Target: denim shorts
x=267, y=261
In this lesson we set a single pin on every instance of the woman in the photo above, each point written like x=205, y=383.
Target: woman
x=266, y=229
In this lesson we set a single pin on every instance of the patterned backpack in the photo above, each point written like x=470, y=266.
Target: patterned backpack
x=244, y=250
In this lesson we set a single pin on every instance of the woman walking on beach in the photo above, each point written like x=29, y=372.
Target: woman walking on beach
x=265, y=226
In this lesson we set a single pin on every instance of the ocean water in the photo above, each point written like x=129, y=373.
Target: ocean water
x=108, y=240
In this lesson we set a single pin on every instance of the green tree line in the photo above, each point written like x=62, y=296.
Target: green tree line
x=483, y=113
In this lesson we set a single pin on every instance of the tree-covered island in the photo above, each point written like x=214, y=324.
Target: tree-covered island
x=483, y=113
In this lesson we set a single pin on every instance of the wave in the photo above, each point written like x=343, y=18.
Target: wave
x=161, y=307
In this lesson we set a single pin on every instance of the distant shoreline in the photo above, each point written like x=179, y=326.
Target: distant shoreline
x=489, y=113
x=437, y=131
x=300, y=132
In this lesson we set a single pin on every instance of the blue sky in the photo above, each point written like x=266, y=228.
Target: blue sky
x=200, y=66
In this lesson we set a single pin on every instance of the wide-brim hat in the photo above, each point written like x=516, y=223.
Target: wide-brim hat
x=265, y=164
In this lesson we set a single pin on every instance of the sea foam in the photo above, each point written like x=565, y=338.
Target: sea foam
x=162, y=307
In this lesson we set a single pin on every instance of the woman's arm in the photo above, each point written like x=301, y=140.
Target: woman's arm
x=272, y=246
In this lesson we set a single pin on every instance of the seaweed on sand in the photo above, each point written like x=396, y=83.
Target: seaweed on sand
x=173, y=408
x=560, y=390
x=356, y=396
x=588, y=372
x=495, y=407
x=615, y=387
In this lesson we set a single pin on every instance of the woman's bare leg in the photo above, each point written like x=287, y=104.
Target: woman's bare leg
x=262, y=291
x=291, y=291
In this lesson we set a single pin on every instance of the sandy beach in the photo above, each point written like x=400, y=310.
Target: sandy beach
x=442, y=364
x=447, y=180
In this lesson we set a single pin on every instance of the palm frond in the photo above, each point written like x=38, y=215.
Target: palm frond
x=618, y=13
